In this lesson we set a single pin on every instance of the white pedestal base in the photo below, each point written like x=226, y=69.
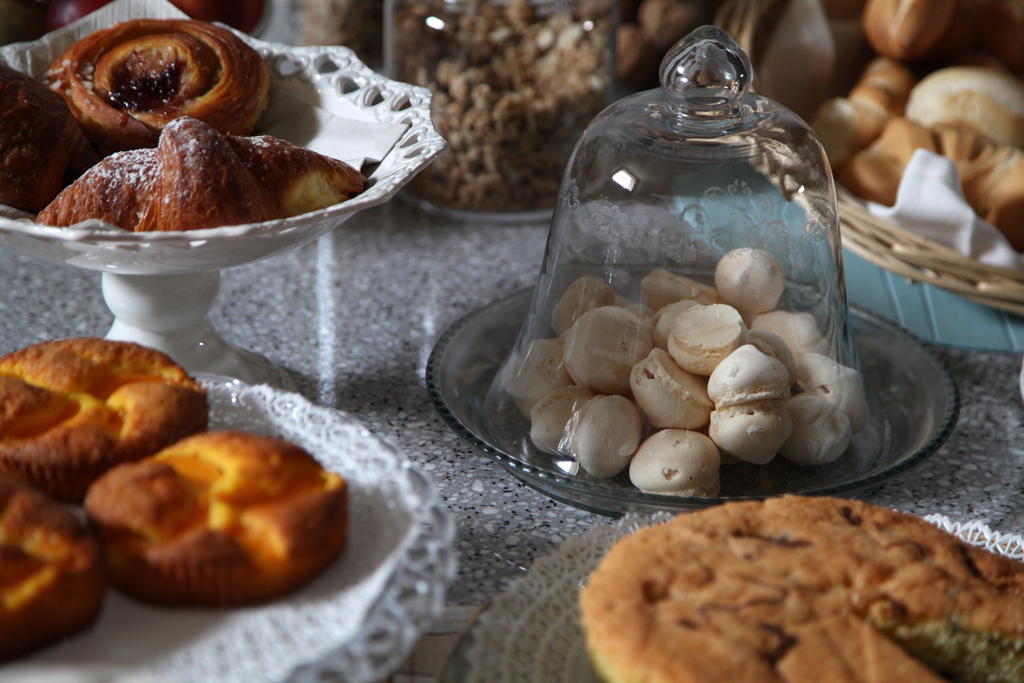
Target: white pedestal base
x=169, y=313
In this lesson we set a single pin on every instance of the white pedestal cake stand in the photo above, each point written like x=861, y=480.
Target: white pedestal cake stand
x=169, y=312
x=160, y=286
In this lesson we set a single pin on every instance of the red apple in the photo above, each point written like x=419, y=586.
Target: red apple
x=242, y=14
x=63, y=12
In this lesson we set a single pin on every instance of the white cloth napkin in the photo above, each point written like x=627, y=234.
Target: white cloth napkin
x=333, y=126
x=930, y=202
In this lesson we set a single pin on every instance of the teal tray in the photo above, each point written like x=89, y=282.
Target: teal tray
x=931, y=313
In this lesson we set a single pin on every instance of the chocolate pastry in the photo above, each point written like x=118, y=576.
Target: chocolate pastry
x=41, y=146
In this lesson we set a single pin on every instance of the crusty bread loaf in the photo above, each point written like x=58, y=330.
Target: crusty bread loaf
x=989, y=101
x=971, y=111
x=807, y=590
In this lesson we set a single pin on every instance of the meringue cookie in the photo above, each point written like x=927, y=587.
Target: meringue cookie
x=552, y=417
x=639, y=310
x=750, y=280
x=677, y=462
x=668, y=395
x=821, y=432
x=661, y=288
x=540, y=371
x=585, y=293
x=753, y=432
x=602, y=347
x=799, y=331
x=836, y=383
x=747, y=375
x=663, y=319
x=606, y=434
x=773, y=345
x=703, y=335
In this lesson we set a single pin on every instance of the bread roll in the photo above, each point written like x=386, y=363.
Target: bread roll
x=985, y=60
x=998, y=196
x=1000, y=31
x=847, y=125
x=843, y=9
x=990, y=102
x=875, y=173
x=992, y=177
x=918, y=30
x=973, y=153
x=885, y=83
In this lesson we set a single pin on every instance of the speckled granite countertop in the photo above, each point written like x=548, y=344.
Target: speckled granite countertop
x=354, y=318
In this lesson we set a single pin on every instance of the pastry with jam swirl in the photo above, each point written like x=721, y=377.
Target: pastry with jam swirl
x=126, y=82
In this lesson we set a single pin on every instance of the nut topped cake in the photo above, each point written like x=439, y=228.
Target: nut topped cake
x=803, y=589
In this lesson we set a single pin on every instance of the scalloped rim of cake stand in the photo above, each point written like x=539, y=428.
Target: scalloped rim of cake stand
x=334, y=71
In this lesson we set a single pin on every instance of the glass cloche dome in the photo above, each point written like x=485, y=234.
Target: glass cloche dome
x=688, y=334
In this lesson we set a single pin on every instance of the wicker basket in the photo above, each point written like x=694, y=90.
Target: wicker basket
x=879, y=241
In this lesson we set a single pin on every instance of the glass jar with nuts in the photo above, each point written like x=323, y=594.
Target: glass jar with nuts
x=514, y=82
x=357, y=24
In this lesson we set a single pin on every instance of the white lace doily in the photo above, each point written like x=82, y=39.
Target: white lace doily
x=531, y=632
x=355, y=622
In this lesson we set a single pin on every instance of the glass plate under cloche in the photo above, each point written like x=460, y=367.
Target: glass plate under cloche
x=915, y=404
x=689, y=331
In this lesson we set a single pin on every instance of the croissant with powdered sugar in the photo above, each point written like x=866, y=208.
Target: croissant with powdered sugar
x=198, y=178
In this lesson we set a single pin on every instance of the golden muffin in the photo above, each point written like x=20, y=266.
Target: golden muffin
x=72, y=409
x=219, y=518
x=50, y=580
x=803, y=589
